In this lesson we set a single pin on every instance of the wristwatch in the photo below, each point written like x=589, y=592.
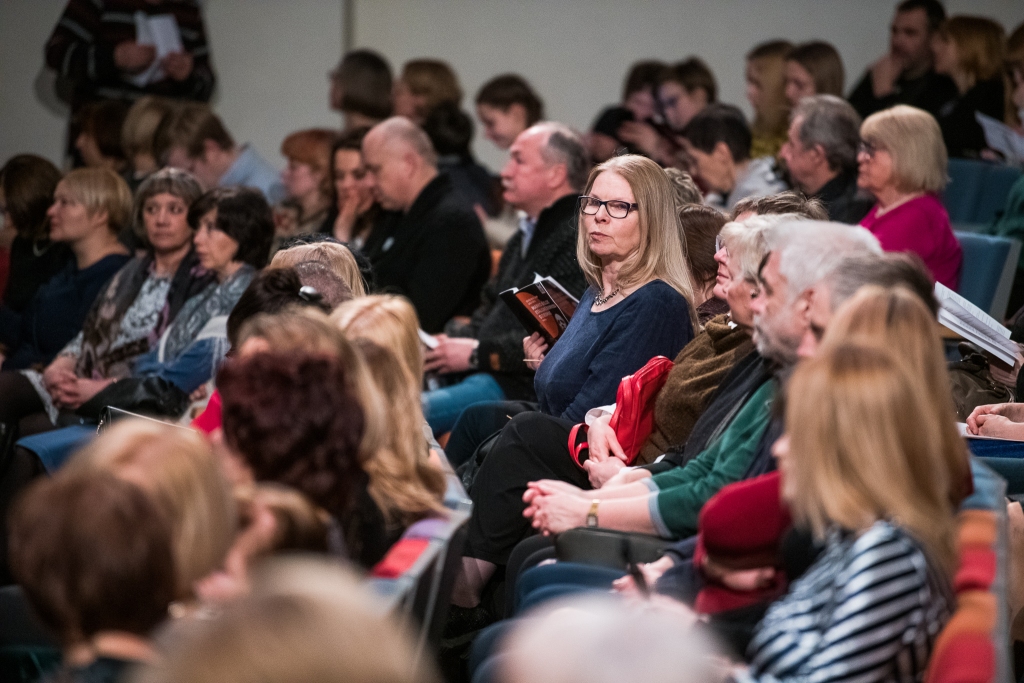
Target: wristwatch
x=474, y=356
x=592, y=514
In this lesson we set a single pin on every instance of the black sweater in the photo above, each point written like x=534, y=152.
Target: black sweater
x=552, y=253
x=961, y=132
x=928, y=92
x=435, y=254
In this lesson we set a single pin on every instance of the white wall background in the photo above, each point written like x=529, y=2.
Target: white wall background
x=271, y=59
x=272, y=56
x=576, y=53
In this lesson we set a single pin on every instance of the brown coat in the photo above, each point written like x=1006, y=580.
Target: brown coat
x=699, y=368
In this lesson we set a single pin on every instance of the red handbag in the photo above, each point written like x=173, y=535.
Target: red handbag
x=633, y=418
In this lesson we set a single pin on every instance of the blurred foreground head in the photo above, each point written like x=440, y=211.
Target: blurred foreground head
x=306, y=621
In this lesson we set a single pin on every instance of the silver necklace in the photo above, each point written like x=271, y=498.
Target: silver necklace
x=602, y=300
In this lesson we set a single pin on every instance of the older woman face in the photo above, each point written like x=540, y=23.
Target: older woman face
x=350, y=180
x=165, y=217
x=70, y=220
x=612, y=239
x=874, y=168
x=216, y=249
x=731, y=286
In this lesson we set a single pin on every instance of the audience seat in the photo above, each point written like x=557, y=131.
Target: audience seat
x=989, y=266
x=418, y=573
x=977, y=190
x=974, y=645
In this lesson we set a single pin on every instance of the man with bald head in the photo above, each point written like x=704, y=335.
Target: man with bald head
x=546, y=171
x=429, y=245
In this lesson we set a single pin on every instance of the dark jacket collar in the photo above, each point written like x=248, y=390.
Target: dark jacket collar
x=556, y=214
x=838, y=186
x=432, y=194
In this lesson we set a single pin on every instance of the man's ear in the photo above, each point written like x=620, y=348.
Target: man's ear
x=556, y=175
x=721, y=152
x=210, y=150
x=804, y=303
x=819, y=154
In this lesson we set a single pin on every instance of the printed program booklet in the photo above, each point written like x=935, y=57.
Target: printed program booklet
x=542, y=306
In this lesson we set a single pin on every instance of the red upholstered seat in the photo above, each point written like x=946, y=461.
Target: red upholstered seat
x=400, y=558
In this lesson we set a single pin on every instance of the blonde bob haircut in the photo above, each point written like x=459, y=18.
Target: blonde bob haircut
x=101, y=190
x=662, y=251
x=848, y=476
x=335, y=256
x=913, y=139
x=140, y=124
x=305, y=330
x=177, y=468
x=305, y=620
x=387, y=320
x=980, y=45
x=896, y=318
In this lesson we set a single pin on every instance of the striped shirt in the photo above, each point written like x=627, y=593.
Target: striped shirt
x=81, y=49
x=868, y=610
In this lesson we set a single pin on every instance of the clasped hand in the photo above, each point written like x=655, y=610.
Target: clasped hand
x=555, y=506
x=1001, y=420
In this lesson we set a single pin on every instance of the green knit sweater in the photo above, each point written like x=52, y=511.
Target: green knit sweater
x=679, y=494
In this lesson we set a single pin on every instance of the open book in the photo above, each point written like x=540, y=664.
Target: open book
x=970, y=322
x=542, y=306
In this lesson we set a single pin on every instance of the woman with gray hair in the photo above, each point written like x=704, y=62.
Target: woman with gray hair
x=902, y=162
x=130, y=314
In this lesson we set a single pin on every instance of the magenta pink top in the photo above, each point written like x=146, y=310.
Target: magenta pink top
x=921, y=226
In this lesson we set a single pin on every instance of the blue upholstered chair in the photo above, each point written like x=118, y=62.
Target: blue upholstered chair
x=988, y=268
x=977, y=190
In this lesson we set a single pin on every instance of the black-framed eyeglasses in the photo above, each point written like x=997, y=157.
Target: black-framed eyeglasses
x=866, y=147
x=616, y=208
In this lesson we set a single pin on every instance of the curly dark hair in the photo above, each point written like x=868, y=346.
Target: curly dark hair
x=295, y=421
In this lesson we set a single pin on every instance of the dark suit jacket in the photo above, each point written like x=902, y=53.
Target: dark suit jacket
x=552, y=253
x=435, y=253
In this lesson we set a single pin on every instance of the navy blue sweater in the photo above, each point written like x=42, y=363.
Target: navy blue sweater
x=584, y=367
x=56, y=313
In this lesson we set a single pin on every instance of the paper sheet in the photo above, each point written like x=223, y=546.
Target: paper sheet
x=1002, y=138
x=160, y=31
x=962, y=428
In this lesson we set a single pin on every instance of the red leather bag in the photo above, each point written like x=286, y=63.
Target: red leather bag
x=633, y=418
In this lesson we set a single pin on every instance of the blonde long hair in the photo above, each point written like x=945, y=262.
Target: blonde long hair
x=867, y=444
x=662, y=251
x=896, y=318
x=177, y=468
x=403, y=483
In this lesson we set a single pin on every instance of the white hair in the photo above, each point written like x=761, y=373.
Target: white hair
x=747, y=241
x=810, y=251
x=608, y=640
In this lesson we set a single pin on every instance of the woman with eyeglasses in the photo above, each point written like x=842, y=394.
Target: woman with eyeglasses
x=637, y=307
x=902, y=163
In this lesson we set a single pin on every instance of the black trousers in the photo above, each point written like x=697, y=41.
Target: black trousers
x=532, y=446
x=476, y=423
x=20, y=405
